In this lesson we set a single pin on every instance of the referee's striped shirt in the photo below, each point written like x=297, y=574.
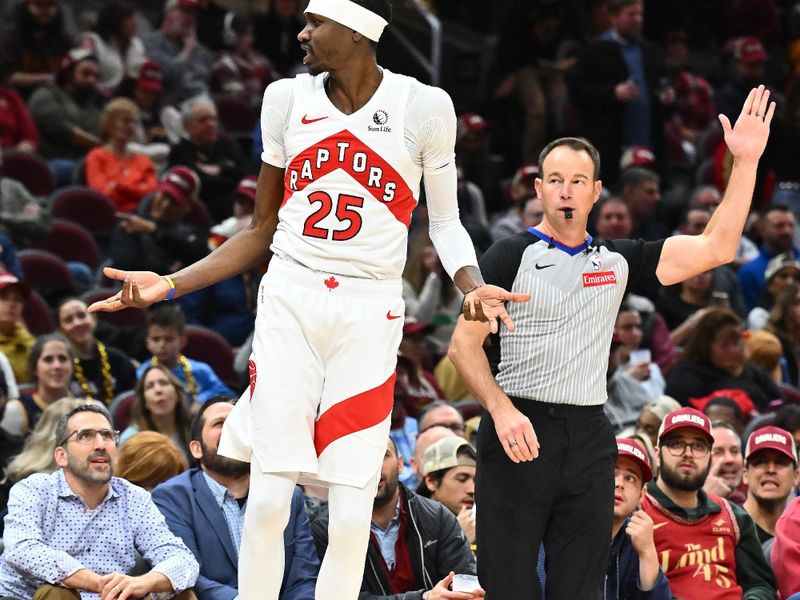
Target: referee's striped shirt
x=559, y=350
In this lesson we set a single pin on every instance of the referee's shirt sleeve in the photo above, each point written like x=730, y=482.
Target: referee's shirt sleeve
x=642, y=258
x=500, y=263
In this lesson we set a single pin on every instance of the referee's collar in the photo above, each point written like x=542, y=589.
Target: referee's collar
x=554, y=243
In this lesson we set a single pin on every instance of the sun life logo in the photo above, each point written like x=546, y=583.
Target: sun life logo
x=380, y=118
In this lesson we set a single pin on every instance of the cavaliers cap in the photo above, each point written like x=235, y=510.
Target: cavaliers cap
x=633, y=450
x=771, y=438
x=686, y=417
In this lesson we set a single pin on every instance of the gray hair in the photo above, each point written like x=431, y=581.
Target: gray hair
x=188, y=107
x=61, y=428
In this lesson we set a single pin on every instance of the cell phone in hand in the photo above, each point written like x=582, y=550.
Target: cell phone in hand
x=640, y=356
x=465, y=583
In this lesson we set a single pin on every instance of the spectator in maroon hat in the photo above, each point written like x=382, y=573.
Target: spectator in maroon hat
x=633, y=566
x=749, y=59
x=771, y=476
x=114, y=41
x=147, y=95
x=113, y=168
x=707, y=546
x=157, y=240
x=15, y=339
x=185, y=62
x=67, y=113
x=215, y=158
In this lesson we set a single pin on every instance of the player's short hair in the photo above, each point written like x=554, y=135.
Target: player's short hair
x=576, y=143
x=169, y=315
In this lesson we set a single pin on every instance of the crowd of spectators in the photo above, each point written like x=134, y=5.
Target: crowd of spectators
x=152, y=107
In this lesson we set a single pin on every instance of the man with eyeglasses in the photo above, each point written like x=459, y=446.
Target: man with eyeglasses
x=440, y=413
x=706, y=545
x=75, y=533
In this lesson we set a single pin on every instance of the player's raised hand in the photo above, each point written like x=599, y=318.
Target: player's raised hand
x=139, y=289
x=747, y=138
x=488, y=303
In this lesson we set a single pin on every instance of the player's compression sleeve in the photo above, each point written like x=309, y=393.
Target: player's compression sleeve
x=432, y=123
x=275, y=111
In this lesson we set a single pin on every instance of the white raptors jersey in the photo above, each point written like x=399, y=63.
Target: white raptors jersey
x=350, y=183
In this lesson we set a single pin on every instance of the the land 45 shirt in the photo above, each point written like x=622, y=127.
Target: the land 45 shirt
x=558, y=352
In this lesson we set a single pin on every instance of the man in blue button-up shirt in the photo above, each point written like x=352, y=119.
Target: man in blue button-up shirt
x=206, y=506
x=80, y=528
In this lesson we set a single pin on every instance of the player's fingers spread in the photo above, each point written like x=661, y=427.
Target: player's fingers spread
x=507, y=320
x=137, y=298
x=517, y=297
x=493, y=326
x=763, y=104
x=113, y=273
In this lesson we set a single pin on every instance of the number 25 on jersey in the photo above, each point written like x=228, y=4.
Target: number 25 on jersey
x=345, y=212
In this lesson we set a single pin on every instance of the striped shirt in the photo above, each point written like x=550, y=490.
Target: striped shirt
x=231, y=510
x=558, y=352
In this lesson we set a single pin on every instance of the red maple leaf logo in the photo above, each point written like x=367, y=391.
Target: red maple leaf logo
x=331, y=283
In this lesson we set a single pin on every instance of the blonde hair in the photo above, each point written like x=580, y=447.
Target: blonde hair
x=37, y=454
x=149, y=458
x=118, y=107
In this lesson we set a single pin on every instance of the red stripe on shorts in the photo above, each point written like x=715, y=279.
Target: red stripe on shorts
x=357, y=413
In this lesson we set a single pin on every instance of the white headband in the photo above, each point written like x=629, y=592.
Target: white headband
x=351, y=15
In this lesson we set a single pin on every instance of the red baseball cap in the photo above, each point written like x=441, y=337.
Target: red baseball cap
x=686, y=417
x=527, y=173
x=150, y=77
x=181, y=184
x=771, y=438
x=749, y=50
x=633, y=450
x=8, y=279
x=637, y=156
x=247, y=187
x=470, y=123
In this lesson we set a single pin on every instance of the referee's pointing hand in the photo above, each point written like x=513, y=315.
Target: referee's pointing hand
x=487, y=303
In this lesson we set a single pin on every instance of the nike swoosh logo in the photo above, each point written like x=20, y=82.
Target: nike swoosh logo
x=540, y=267
x=657, y=525
x=306, y=121
x=392, y=317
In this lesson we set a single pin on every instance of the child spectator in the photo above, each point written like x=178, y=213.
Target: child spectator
x=166, y=328
x=15, y=339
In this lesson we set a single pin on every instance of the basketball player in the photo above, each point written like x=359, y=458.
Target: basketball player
x=345, y=149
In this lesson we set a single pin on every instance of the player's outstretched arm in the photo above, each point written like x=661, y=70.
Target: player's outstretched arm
x=243, y=251
x=483, y=302
x=684, y=256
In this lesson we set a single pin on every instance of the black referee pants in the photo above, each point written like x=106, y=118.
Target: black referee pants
x=564, y=498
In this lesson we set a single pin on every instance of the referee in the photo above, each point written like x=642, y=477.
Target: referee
x=546, y=452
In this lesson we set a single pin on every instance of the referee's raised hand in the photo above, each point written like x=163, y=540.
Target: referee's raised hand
x=488, y=303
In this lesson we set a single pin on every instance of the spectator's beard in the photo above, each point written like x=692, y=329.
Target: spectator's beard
x=85, y=472
x=687, y=483
x=222, y=465
x=387, y=494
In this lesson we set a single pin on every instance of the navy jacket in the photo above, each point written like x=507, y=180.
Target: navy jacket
x=193, y=515
x=622, y=576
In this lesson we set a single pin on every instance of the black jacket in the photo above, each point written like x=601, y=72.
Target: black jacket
x=436, y=546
